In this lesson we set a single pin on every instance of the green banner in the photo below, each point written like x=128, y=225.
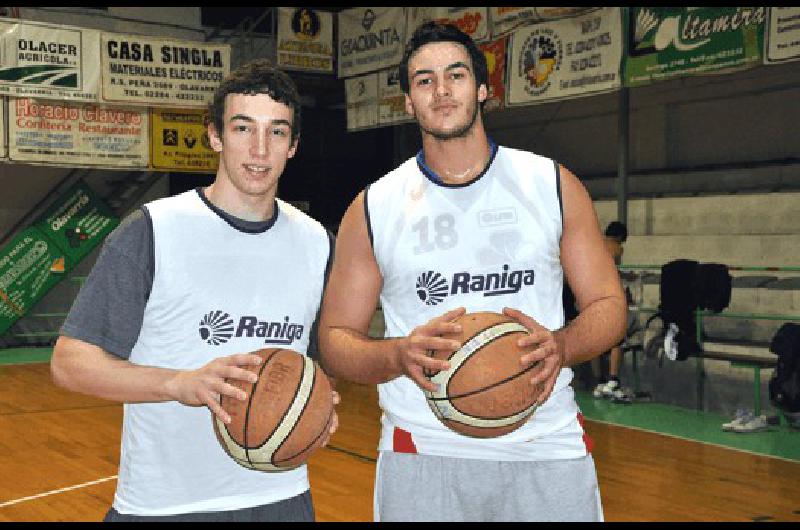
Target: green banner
x=29, y=266
x=668, y=42
x=77, y=222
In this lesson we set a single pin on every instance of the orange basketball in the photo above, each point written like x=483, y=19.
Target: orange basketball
x=285, y=417
x=486, y=392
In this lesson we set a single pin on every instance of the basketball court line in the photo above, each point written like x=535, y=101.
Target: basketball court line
x=60, y=490
x=351, y=453
x=69, y=409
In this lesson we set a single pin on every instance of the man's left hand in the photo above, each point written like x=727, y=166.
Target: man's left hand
x=544, y=348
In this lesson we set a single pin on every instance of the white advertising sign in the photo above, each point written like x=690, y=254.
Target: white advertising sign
x=49, y=61
x=565, y=58
x=161, y=72
x=370, y=38
x=504, y=20
x=362, y=101
x=783, y=35
x=74, y=134
x=391, y=100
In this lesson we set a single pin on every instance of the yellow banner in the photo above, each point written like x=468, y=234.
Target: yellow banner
x=179, y=141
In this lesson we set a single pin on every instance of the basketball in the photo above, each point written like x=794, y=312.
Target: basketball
x=486, y=392
x=285, y=417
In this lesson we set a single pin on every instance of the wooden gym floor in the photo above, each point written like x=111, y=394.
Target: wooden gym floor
x=59, y=453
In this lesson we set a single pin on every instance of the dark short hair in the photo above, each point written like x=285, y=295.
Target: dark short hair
x=617, y=230
x=432, y=32
x=256, y=77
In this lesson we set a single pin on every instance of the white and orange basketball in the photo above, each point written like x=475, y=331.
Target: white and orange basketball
x=286, y=415
x=487, y=391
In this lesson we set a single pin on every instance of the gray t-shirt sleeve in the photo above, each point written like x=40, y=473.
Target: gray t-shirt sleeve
x=109, y=309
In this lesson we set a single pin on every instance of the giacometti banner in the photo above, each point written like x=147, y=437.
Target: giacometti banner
x=668, y=42
x=565, y=58
x=49, y=61
x=474, y=21
x=153, y=71
x=73, y=134
x=370, y=38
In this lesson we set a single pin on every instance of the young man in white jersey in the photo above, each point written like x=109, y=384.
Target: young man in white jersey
x=465, y=208
x=168, y=312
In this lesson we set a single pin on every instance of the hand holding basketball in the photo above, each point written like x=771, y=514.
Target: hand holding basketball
x=412, y=357
x=543, y=346
x=334, y=419
x=205, y=385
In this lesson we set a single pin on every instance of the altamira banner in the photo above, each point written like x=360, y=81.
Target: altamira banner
x=669, y=42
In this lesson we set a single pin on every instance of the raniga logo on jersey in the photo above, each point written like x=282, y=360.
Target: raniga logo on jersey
x=218, y=327
x=432, y=287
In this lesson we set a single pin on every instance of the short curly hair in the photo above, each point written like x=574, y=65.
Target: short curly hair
x=434, y=32
x=256, y=77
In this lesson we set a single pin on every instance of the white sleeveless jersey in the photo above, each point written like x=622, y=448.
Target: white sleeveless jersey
x=216, y=291
x=490, y=244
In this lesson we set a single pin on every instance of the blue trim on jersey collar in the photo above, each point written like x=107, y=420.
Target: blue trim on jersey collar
x=436, y=179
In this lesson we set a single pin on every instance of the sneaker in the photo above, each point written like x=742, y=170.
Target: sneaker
x=619, y=395
x=607, y=390
x=755, y=424
x=741, y=416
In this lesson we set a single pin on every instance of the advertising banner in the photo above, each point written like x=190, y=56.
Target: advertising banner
x=305, y=39
x=669, y=42
x=29, y=266
x=179, y=141
x=361, y=94
x=391, y=100
x=495, y=53
x=783, y=34
x=474, y=21
x=77, y=222
x=161, y=72
x=504, y=20
x=3, y=135
x=370, y=38
x=74, y=134
x=565, y=58
x=49, y=61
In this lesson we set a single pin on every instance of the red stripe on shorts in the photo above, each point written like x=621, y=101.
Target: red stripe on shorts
x=586, y=440
x=402, y=442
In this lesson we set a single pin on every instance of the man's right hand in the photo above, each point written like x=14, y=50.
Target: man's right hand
x=411, y=356
x=205, y=385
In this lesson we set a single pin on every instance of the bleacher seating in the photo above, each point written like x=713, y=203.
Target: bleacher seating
x=754, y=230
